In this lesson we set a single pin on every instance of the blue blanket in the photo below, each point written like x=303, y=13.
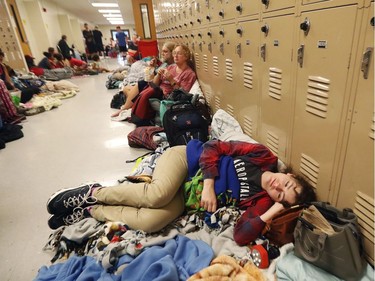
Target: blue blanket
x=177, y=259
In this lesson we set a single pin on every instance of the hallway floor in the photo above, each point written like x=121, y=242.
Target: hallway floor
x=65, y=147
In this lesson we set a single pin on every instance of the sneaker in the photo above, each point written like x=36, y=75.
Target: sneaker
x=56, y=221
x=66, y=200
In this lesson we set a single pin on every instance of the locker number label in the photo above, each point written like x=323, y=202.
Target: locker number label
x=322, y=44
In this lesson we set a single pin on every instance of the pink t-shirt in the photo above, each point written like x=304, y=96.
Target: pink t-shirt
x=185, y=79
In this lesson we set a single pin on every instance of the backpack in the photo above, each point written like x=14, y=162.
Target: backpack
x=142, y=113
x=183, y=122
x=142, y=137
x=118, y=100
x=112, y=84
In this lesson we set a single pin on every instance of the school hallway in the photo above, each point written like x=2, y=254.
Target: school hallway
x=73, y=144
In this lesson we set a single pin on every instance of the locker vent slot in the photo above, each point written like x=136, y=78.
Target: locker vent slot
x=310, y=169
x=205, y=63
x=248, y=75
x=248, y=126
x=372, y=128
x=217, y=102
x=274, y=87
x=317, y=96
x=197, y=62
x=215, y=62
x=229, y=69
x=364, y=209
x=208, y=96
x=230, y=110
x=272, y=142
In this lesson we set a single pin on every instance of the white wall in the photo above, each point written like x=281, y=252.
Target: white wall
x=106, y=30
x=44, y=27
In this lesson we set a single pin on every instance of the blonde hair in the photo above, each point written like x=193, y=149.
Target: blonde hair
x=185, y=49
x=169, y=45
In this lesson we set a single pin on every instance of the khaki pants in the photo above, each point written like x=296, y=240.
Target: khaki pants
x=148, y=207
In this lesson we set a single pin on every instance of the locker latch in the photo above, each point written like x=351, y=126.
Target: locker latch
x=239, y=31
x=209, y=46
x=266, y=3
x=238, y=49
x=263, y=52
x=222, y=48
x=200, y=46
x=305, y=26
x=300, y=51
x=239, y=8
x=265, y=28
x=366, y=62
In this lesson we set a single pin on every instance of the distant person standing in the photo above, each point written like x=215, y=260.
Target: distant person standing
x=64, y=47
x=121, y=41
x=89, y=39
x=98, y=40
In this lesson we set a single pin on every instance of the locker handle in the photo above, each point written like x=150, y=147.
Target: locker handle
x=222, y=48
x=366, y=62
x=301, y=51
x=210, y=47
x=263, y=52
x=238, y=49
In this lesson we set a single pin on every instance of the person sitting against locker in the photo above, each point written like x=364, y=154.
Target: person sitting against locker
x=134, y=90
x=48, y=61
x=174, y=76
x=152, y=206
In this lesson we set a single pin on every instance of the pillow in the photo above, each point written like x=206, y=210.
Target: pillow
x=196, y=89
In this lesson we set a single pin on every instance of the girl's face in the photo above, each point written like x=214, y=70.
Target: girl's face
x=281, y=187
x=179, y=55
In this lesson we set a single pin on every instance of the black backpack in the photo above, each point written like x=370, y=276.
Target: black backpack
x=183, y=122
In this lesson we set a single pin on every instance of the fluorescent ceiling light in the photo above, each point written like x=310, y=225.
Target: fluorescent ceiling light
x=109, y=11
x=115, y=22
x=115, y=19
x=112, y=15
x=105, y=5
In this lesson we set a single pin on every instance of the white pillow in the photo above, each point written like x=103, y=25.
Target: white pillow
x=196, y=89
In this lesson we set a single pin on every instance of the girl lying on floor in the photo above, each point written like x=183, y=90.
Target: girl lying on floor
x=250, y=169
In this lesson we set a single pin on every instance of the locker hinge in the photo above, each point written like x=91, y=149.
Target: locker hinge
x=366, y=62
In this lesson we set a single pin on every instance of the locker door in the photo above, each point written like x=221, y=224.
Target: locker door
x=245, y=8
x=323, y=62
x=231, y=71
x=357, y=183
x=247, y=99
x=273, y=5
x=218, y=64
x=277, y=95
